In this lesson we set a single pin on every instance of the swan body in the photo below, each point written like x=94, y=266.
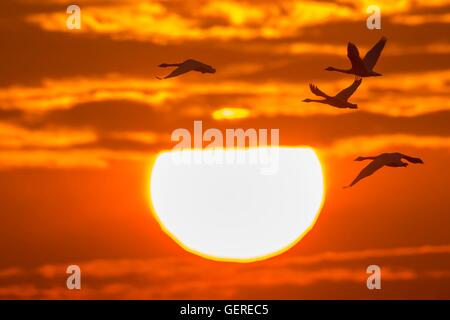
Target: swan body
x=340, y=100
x=186, y=66
x=362, y=67
x=385, y=159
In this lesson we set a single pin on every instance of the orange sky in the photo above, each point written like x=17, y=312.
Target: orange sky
x=82, y=116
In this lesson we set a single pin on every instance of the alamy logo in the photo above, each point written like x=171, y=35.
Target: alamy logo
x=74, y=280
x=73, y=21
x=374, y=280
x=213, y=147
x=374, y=20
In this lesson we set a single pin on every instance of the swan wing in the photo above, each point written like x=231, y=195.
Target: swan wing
x=347, y=92
x=353, y=55
x=373, y=54
x=317, y=91
x=197, y=65
x=368, y=171
x=179, y=71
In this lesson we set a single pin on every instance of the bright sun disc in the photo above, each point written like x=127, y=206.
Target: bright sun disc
x=233, y=212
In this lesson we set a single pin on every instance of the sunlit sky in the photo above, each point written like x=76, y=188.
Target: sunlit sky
x=82, y=117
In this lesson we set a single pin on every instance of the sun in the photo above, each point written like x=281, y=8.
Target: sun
x=232, y=211
x=230, y=113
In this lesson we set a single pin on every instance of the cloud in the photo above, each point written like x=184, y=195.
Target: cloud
x=16, y=137
x=108, y=131
x=377, y=143
x=162, y=22
x=10, y=273
x=94, y=157
x=372, y=253
x=157, y=23
x=95, y=91
x=396, y=94
x=65, y=93
x=301, y=48
x=298, y=57
x=193, y=278
x=414, y=20
x=110, y=115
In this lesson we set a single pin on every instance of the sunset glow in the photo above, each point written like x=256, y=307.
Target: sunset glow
x=88, y=131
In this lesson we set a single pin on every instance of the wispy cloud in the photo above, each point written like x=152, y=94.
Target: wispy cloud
x=15, y=137
x=195, y=278
x=159, y=22
x=166, y=21
x=414, y=20
x=71, y=158
x=399, y=94
x=377, y=143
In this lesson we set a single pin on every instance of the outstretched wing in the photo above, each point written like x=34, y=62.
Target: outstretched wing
x=368, y=171
x=373, y=54
x=317, y=91
x=353, y=55
x=347, y=92
x=412, y=159
x=178, y=71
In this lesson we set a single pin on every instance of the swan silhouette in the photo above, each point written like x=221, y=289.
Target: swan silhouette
x=362, y=67
x=384, y=159
x=339, y=100
x=186, y=66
